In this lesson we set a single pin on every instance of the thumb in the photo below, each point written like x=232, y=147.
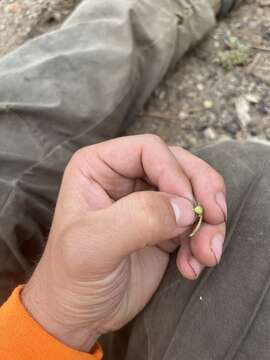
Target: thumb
x=141, y=219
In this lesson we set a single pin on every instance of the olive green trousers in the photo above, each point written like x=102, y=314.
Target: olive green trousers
x=76, y=86
x=225, y=314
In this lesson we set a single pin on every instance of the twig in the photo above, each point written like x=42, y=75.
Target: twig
x=262, y=48
x=263, y=68
x=254, y=63
x=162, y=116
x=158, y=115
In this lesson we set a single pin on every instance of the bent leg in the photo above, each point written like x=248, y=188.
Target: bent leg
x=73, y=87
x=225, y=313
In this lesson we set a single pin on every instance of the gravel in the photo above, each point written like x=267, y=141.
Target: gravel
x=202, y=100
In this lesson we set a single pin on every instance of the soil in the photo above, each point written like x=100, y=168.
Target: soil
x=218, y=91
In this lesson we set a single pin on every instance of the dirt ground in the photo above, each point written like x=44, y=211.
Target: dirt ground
x=219, y=90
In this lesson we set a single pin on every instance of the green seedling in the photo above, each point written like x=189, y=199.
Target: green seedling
x=198, y=211
x=236, y=54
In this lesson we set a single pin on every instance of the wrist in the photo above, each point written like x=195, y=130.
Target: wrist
x=38, y=301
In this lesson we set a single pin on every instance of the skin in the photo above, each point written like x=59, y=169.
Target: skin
x=123, y=207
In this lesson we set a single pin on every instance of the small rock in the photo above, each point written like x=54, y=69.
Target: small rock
x=210, y=134
x=162, y=95
x=253, y=132
x=263, y=108
x=253, y=98
x=57, y=16
x=192, y=141
x=259, y=12
x=182, y=115
x=224, y=138
x=231, y=128
x=13, y=8
x=208, y=104
x=266, y=35
x=242, y=110
x=200, y=87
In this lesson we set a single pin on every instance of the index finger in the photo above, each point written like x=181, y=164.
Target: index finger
x=116, y=162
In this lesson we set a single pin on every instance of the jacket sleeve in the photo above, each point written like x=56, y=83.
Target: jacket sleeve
x=21, y=338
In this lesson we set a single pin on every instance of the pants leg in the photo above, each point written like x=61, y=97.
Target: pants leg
x=73, y=87
x=224, y=315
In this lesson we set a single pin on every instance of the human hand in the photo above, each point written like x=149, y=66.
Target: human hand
x=123, y=207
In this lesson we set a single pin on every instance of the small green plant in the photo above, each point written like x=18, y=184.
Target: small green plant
x=236, y=54
x=198, y=211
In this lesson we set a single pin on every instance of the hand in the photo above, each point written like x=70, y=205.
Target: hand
x=123, y=207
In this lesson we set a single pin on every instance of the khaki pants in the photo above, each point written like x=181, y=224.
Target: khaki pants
x=85, y=83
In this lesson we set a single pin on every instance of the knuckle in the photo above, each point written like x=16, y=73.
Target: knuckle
x=175, y=149
x=215, y=178
x=80, y=158
x=148, y=211
x=153, y=138
x=154, y=210
x=218, y=179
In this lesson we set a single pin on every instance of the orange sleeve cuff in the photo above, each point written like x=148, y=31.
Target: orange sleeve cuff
x=21, y=338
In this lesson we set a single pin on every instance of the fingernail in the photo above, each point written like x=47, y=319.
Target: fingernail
x=217, y=246
x=176, y=209
x=183, y=211
x=221, y=201
x=196, y=266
